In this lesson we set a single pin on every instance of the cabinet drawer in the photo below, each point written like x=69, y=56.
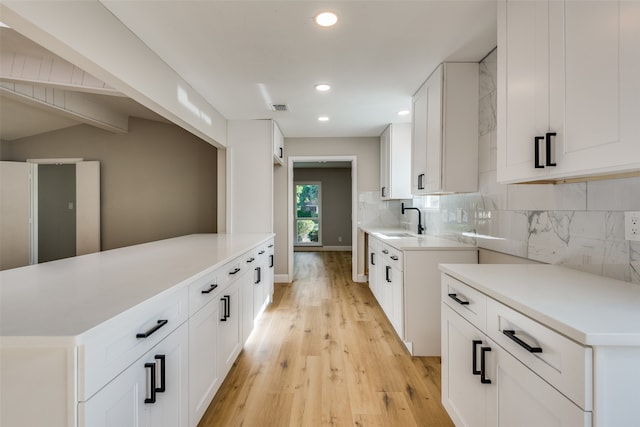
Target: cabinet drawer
x=205, y=289
x=110, y=348
x=374, y=244
x=561, y=362
x=464, y=300
x=394, y=257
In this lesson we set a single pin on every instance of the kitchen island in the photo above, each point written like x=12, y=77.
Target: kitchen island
x=104, y=338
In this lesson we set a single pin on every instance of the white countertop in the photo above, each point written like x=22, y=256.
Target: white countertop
x=589, y=309
x=67, y=297
x=415, y=242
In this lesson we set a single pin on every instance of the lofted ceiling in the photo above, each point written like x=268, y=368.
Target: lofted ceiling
x=242, y=56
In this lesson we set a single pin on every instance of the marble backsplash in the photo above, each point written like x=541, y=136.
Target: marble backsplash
x=579, y=225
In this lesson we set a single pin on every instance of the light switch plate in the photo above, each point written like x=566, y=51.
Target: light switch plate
x=632, y=226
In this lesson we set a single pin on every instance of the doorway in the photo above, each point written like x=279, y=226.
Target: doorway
x=345, y=229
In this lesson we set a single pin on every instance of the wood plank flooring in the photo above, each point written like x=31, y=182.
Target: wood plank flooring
x=324, y=354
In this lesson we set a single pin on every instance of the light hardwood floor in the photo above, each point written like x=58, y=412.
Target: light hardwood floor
x=324, y=354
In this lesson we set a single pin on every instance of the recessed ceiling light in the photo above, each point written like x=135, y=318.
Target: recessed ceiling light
x=403, y=113
x=322, y=87
x=326, y=19
x=323, y=118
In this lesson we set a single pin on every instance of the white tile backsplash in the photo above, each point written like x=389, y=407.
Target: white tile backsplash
x=579, y=225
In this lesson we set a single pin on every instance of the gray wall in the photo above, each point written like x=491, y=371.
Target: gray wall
x=335, y=201
x=157, y=180
x=56, y=219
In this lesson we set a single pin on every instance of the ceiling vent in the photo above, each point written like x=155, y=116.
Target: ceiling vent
x=279, y=107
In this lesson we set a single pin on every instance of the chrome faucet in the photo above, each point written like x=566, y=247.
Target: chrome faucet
x=420, y=227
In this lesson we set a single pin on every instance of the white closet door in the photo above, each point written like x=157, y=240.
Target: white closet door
x=14, y=214
x=87, y=207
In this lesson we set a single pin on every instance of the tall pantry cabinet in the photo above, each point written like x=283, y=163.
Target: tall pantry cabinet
x=568, y=89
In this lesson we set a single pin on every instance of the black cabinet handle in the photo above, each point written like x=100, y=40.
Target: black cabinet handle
x=161, y=359
x=536, y=152
x=281, y=152
x=474, y=357
x=512, y=335
x=225, y=308
x=458, y=300
x=548, y=136
x=384, y=251
x=260, y=253
x=235, y=270
x=420, y=181
x=152, y=385
x=270, y=246
x=387, y=271
x=270, y=261
x=250, y=260
x=483, y=373
x=211, y=288
x=258, y=280
x=148, y=333
x=394, y=257
x=372, y=262
x=383, y=191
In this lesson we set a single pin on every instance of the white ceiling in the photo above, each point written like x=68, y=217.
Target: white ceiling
x=243, y=55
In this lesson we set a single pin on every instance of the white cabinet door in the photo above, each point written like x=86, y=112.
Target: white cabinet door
x=523, y=88
x=395, y=155
x=204, y=378
x=521, y=398
x=568, y=88
x=464, y=395
x=269, y=271
x=258, y=290
x=418, y=141
x=374, y=261
x=229, y=327
x=152, y=392
x=385, y=148
x=246, y=296
x=397, y=301
x=444, y=140
x=386, y=291
x=278, y=145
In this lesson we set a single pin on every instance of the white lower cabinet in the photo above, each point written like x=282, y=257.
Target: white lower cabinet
x=525, y=381
x=151, y=392
x=229, y=328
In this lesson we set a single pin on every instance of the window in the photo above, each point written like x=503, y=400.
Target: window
x=308, y=214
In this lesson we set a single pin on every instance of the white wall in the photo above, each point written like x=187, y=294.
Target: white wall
x=367, y=152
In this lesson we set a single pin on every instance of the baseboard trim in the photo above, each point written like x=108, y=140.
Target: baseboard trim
x=362, y=278
x=322, y=248
x=281, y=278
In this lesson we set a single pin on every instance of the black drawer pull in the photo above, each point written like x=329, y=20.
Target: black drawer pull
x=387, y=271
x=270, y=261
x=458, y=300
x=161, y=358
x=146, y=334
x=270, y=246
x=260, y=253
x=258, y=270
x=394, y=257
x=152, y=385
x=235, y=270
x=483, y=373
x=372, y=261
x=211, y=288
x=512, y=335
x=474, y=358
x=251, y=260
x=384, y=251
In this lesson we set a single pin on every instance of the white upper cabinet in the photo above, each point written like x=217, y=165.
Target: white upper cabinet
x=445, y=131
x=568, y=89
x=278, y=145
x=395, y=158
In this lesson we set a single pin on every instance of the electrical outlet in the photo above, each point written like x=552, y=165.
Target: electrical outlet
x=632, y=226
